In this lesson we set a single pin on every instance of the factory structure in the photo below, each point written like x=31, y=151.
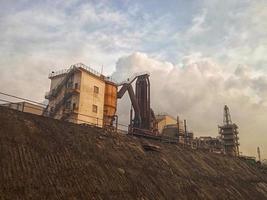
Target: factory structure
x=82, y=95
x=169, y=126
x=229, y=132
x=207, y=143
x=25, y=106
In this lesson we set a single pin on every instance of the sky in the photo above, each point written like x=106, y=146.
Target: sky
x=201, y=55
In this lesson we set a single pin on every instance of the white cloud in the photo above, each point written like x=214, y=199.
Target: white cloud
x=198, y=25
x=206, y=40
x=41, y=38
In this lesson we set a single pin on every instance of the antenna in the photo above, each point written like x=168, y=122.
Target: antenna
x=227, y=117
x=102, y=69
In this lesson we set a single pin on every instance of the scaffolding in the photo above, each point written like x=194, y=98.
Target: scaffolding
x=229, y=132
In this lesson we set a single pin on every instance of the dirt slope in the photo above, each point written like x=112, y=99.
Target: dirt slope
x=42, y=158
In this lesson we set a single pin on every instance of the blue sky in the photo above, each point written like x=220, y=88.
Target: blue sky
x=167, y=30
x=202, y=54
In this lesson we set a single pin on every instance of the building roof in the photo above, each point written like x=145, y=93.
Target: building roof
x=83, y=67
x=161, y=117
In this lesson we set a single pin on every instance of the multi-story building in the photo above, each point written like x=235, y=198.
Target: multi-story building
x=82, y=95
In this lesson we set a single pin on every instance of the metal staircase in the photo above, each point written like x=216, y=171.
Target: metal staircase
x=57, y=89
x=63, y=83
x=59, y=104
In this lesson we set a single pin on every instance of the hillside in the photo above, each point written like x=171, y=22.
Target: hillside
x=42, y=158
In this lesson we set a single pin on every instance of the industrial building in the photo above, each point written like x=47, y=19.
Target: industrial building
x=169, y=126
x=229, y=132
x=81, y=95
x=143, y=120
x=25, y=107
x=165, y=120
x=208, y=143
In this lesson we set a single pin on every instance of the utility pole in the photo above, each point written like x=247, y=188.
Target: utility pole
x=185, y=132
x=102, y=69
x=259, y=153
x=178, y=126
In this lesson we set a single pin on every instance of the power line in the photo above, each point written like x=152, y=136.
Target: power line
x=5, y=101
x=24, y=99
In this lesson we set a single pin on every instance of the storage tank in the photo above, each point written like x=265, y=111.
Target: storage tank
x=110, y=102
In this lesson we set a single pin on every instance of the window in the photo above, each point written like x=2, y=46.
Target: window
x=96, y=89
x=94, y=108
x=73, y=106
x=76, y=86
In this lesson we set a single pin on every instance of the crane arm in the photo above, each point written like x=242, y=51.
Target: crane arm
x=122, y=91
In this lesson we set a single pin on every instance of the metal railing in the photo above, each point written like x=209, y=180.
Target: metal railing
x=133, y=77
x=67, y=71
x=83, y=66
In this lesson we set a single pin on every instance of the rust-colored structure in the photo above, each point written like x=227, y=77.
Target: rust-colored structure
x=110, y=103
x=144, y=120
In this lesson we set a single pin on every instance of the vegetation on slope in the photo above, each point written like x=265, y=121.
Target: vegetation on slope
x=46, y=158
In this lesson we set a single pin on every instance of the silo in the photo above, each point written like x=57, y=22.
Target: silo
x=110, y=102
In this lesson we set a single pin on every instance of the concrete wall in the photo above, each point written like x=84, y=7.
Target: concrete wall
x=88, y=98
x=31, y=108
x=26, y=107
